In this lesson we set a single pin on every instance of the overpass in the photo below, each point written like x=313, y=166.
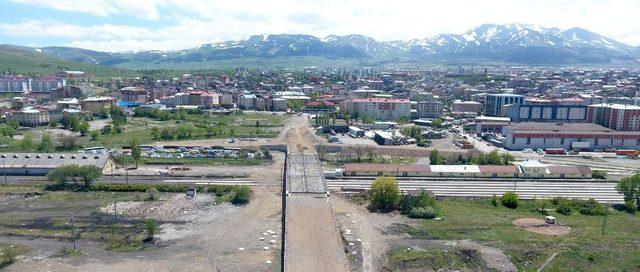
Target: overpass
x=311, y=237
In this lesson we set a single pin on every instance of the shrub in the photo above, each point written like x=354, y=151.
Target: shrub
x=385, y=194
x=152, y=194
x=510, y=200
x=590, y=207
x=152, y=228
x=564, y=208
x=630, y=206
x=494, y=201
x=425, y=213
x=242, y=195
x=599, y=174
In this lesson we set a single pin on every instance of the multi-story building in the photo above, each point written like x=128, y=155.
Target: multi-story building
x=134, y=94
x=541, y=110
x=96, y=104
x=429, y=109
x=583, y=136
x=495, y=102
x=46, y=84
x=30, y=117
x=247, y=101
x=615, y=116
x=279, y=104
x=14, y=84
x=466, y=106
x=378, y=108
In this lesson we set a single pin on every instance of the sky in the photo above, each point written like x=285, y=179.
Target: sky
x=134, y=25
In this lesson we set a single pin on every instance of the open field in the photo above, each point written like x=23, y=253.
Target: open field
x=199, y=234
x=470, y=229
x=198, y=127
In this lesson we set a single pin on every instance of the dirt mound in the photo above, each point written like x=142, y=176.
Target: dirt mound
x=537, y=225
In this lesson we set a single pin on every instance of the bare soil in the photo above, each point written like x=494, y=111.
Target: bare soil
x=194, y=236
x=537, y=225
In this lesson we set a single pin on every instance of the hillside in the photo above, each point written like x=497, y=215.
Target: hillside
x=24, y=60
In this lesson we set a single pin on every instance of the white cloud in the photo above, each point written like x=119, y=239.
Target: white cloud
x=197, y=21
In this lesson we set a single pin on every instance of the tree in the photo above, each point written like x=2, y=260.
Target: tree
x=436, y=123
x=371, y=152
x=83, y=128
x=106, y=130
x=494, y=158
x=26, y=143
x=510, y=200
x=62, y=174
x=136, y=151
x=242, y=195
x=94, y=135
x=385, y=194
x=507, y=158
x=46, y=145
x=89, y=173
x=435, y=158
x=629, y=187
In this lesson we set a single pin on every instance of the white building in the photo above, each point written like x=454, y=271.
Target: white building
x=378, y=108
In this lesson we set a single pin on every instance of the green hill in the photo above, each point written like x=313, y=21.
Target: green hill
x=24, y=60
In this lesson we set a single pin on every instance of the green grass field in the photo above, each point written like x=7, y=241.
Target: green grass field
x=583, y=249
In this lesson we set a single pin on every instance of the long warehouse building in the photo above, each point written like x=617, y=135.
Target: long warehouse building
x=39, y=164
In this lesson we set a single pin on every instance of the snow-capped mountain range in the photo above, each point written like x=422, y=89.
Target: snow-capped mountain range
x=518, y=43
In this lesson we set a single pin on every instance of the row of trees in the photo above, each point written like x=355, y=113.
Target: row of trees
x=75, y=173
x=491, y=158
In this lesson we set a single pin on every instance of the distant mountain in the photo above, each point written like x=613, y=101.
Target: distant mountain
x=511, y=43
x=25, y=60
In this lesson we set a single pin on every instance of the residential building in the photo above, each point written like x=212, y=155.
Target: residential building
x=615, y=116
x=46, y=84
x=14, y=84
x=429, y=109
x=96, y=104
x=30, y=117
x=466, y=106
x=378, y=108
x=134, y=94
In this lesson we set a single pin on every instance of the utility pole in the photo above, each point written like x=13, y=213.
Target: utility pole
x=115, y=211
x=604, y=218
x=73, y=232
x=4, y=169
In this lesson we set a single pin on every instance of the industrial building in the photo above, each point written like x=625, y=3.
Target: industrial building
x=568, y=136
x=526, y=169
x=39, y=164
